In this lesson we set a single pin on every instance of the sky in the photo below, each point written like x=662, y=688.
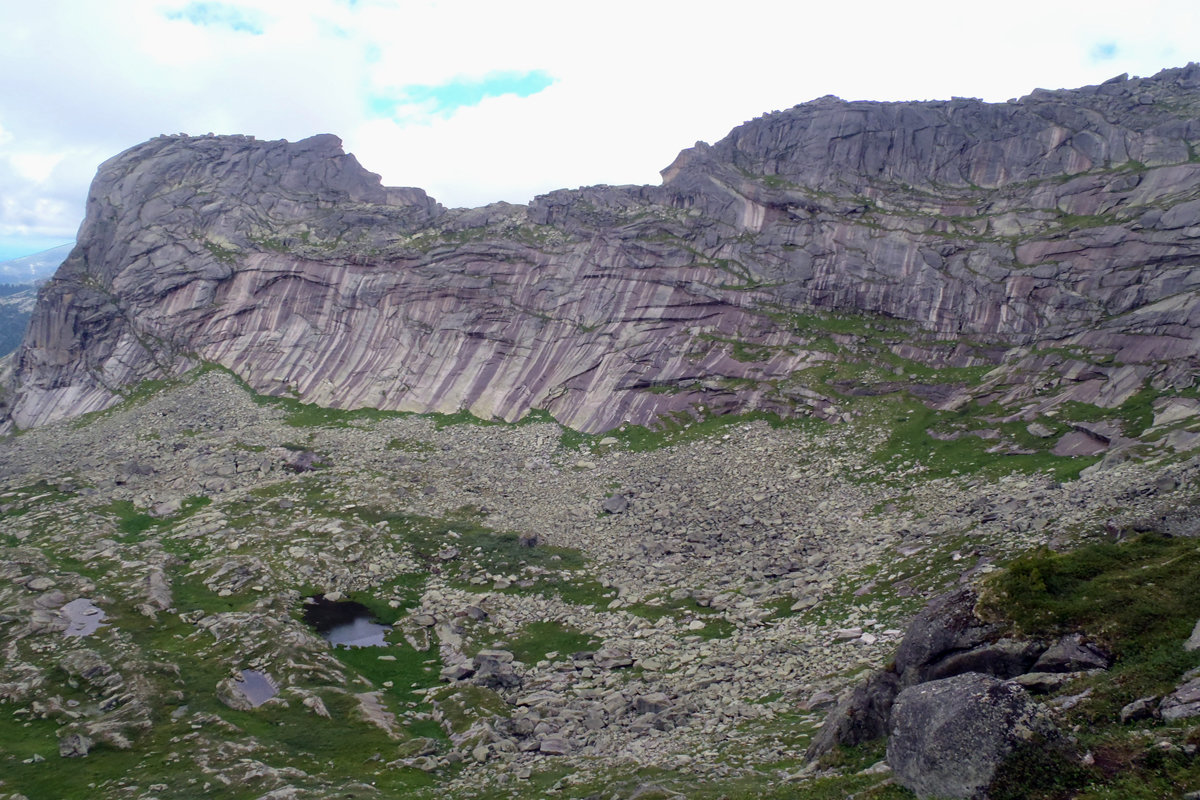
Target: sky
x=477, y=101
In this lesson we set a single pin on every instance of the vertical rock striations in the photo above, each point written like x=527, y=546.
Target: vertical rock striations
x=1058, y=233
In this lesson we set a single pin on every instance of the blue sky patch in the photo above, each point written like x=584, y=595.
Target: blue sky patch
x=445, y=98
x=219, y=15
x=1104, y=51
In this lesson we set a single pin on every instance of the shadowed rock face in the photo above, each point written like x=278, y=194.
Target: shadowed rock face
x=1066, y=219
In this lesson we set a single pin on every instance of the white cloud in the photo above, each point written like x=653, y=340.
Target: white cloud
x=36, y=167
x=634, y=82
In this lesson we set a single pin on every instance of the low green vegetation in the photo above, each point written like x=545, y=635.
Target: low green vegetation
x=133, y=522
x=225, y=255
x=678, y=428
x=911, y=443
x=1138, y=600
x=1135, y=415
x=464, y=704
x=537, y=639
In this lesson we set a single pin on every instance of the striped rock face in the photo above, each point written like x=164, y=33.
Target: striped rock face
x=1056, y=234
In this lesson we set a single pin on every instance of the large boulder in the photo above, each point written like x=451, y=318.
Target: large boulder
x=945, y=629
x=949, y=737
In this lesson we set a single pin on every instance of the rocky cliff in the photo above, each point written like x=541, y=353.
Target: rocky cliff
x=1055, y=237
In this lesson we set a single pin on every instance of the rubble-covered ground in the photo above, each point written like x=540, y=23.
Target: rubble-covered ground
x=629, y=614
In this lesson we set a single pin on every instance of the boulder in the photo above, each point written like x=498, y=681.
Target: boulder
x=158, y=592
x=300, y=460
x=1006, y=658
x=1045, y=682
x=1072, y=654
x=554, y=746
x=949, y=737
x=74, y=745
x=1140, y=709
x=615, y=504
x=944, y=628
x=457, y=672
x=862, y=716
x=494, y=670
x=612, y=658
x=653, y=703
x=1183, y=703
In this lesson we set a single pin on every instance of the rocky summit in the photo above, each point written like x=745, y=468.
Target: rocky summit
x=858, y=458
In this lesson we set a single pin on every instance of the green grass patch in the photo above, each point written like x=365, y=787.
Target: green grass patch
x=412, y=669
x=1137, y=597
x=134, y=522
x=1136, y=414
x=680, y=428
x=910, y=442
x=464, y=704
x=535, y=640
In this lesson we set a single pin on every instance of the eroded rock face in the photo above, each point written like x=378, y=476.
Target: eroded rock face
x=1068, y=220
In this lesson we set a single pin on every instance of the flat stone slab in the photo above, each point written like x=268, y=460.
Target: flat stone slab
x=1079, y=443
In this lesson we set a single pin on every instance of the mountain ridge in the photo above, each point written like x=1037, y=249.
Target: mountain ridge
x=986, y=234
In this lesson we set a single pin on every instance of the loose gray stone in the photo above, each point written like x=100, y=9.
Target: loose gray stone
x=1142, y=708
x=612, y=658
x=1193, y=642
x=615, y=504
x=554, y=746
x=1183, y=703
x=74, y=745
x=1039, y=430
x=1071, y=654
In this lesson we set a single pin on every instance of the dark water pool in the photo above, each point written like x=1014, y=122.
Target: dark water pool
x=345, y=622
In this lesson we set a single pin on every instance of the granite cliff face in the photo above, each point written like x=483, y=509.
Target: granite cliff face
x=1055, y=237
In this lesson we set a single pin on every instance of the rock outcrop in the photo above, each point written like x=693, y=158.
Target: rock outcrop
x=1057, y=235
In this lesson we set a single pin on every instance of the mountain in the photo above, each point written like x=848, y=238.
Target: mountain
x=34, y=268
x=19, y=278
x=15, y=309
x=861, y=458
x=1054, y=235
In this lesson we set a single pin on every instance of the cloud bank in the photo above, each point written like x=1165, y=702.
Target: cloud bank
x=482, y=101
